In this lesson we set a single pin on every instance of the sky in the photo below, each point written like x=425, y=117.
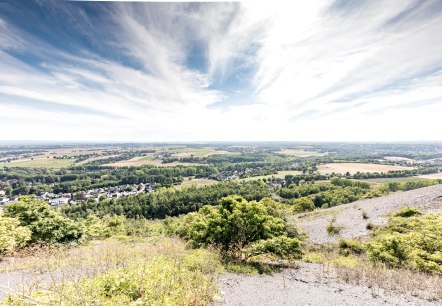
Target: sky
x=312, y=70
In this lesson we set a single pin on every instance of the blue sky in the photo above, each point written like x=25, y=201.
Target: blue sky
x=309, y=70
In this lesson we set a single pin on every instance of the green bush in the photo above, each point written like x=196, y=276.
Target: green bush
x=302, y=204
x=234, y=224
x=281, y=246
x=407, y=212
x=347, y=247
x=44, y=223
x=413, y=242
x=12, y=235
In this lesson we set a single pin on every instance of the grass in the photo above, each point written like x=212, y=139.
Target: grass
x=300, y=153
x=198, y=182
x=41, y=162
x=159, y=271
x=196, y=152
x=357, y=270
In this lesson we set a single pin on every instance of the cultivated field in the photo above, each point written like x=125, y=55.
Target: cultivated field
x=432, y=176
x=198, y=182
x=300, y=153
x=196, y=152
x=342, y=168
x=377, y=181
x=398, y=158
x=41, y=162
x=280, y=174
x=146, y=160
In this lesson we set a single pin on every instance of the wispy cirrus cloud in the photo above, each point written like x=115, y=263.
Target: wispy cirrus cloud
x=220, y=71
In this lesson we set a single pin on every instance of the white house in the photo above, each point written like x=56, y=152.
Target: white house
x=59, y=201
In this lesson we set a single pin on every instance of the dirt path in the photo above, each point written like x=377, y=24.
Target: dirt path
x=349, y=216
x=308, y=285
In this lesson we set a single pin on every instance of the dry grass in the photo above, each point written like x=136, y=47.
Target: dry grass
x=342, y=168
x=54, y=269
x=405, y=282
x=198, y=182
x=358, y=270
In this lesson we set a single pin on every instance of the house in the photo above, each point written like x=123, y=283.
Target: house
x=59, y=201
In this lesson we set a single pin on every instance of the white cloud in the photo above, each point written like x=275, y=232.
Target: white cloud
x=317, y=74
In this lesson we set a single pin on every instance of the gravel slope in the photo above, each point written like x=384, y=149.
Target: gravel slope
x=308, y=285
x=349, y=216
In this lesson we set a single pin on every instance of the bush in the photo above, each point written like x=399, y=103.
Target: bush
x=302, y=204
x=44, y=223
x=407, y=212
x=12, y=235
x=347, y=247
x=413, y=242
x=234, y=224
x=281, y=246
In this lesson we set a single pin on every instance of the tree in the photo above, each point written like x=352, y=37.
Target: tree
x=44, y=223
x=235, y=224
x=12, y=235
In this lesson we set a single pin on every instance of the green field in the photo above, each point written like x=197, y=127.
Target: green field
x=377, y=181
x=280, y=174
x=300, y=153
x=41, y=162
x=196, y=152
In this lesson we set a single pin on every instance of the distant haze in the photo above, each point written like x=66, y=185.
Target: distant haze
x=294, y=70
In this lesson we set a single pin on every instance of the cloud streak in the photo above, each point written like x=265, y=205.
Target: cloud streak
x=221, y=71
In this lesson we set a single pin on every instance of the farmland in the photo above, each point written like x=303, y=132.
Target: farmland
x=42, y=162
x=280, y=174
x=300, y=153
x=145, y=160
x=352, y=168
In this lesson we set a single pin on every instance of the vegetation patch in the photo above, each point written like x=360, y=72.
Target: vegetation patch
x=409, y=240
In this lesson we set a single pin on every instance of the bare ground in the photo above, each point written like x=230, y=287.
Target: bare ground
x=349, y=216
x=310, y=284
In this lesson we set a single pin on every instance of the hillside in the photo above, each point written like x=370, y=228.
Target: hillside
x=349, y=216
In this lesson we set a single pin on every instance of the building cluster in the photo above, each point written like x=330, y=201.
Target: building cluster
x=90, y=195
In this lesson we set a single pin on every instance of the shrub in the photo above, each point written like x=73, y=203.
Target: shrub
x=413, y=242
x=347, y=247
x=44, y=223
x=302, y=204
x=407, y=212
x=12, y=235
x=233, y=224
x=281, y=246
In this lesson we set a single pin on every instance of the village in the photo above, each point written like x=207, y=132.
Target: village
x=92, y=195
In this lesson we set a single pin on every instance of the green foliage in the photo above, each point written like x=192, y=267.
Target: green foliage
x=302, y=204
x=44, y=223
x=234, y=224
x=413, y=242
x=169, y=202
x=347, y=247
x=280, y=246
x=407, y=212
x=12, y=235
